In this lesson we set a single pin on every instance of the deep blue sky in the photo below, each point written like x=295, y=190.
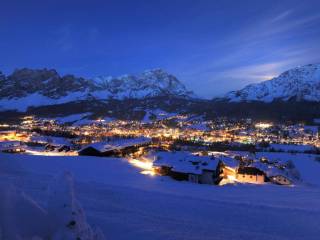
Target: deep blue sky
x=211, y=46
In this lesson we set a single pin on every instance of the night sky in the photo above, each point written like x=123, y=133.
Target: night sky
x=211, y=46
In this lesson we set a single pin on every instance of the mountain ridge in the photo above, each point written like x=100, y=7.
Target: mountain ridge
x=47, y=94
x=298, y=84
x=38, y=87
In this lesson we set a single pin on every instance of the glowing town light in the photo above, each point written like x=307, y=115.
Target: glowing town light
x=141, y=164
x=148, y=172
x=263, y=125
x=43, y=153
x=231, y=178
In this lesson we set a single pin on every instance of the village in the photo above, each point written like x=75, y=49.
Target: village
x=179, y=147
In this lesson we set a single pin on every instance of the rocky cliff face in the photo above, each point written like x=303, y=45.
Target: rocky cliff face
x=23, y=82
x=297, y=84
x=148, y=84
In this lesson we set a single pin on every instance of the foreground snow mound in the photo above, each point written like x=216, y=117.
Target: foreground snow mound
x=21, y=218
x=65, y=212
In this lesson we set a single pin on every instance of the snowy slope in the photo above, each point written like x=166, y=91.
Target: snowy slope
x=300, y=83
x=62, y=217
x=74, y=118
x=35, y=100
x=27, y=87
x=156, y=115
x=128, y=205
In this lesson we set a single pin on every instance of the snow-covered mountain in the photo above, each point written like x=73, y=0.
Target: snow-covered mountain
x=148, y=84
x=28, y=87
x=298, y=84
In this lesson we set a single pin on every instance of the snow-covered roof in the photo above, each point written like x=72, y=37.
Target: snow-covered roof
x=49, y=139
x=186, y=162
x=269, y=170
x=229, y=161
x=117, y=144
x=4, y=145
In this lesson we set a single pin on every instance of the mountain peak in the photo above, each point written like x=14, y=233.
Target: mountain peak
x=155, y=71
x=150, y=83
x=300, y=83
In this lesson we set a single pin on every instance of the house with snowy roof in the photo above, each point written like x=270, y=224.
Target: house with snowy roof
x=274, y=174
x=115, y=147
x=12, y=147
x=182, y=165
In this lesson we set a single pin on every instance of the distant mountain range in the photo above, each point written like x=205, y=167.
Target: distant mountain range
x=32, y=88
x=295, y=94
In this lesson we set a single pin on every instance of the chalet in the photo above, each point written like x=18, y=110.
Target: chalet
x=275, y=173
x=250, y=175
x=12, y=147
x=185, y=166
x=115, y=147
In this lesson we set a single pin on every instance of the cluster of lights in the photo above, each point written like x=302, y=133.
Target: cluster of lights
x=145, y=166
x=263, y=125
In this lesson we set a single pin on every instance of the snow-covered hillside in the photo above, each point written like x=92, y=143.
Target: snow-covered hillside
x=300, y=84
x=128, y=205
x=21, y=218
x=27, y=87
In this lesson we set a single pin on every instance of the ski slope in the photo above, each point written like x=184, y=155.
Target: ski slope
x=125, y=204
